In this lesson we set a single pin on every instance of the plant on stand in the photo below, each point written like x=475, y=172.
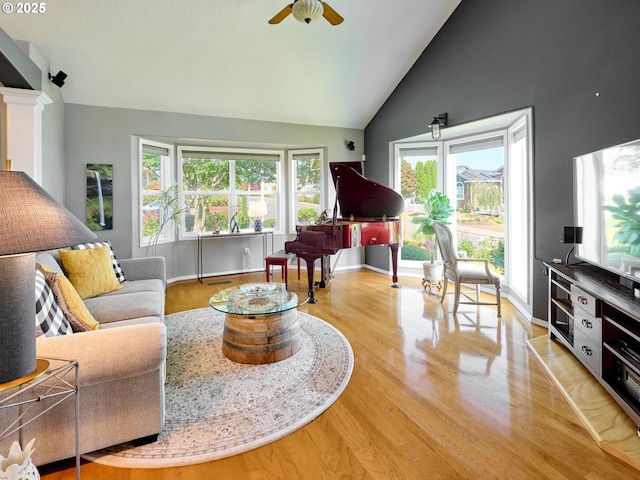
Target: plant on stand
x=437, y=207
x=169, y=210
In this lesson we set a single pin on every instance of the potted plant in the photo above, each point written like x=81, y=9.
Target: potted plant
x=437, y=207
x=168, y=210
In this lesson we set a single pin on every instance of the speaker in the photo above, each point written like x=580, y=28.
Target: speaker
x=571, y=235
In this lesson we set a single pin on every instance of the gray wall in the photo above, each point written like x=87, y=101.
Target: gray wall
x=494, y=56
x=109, y=135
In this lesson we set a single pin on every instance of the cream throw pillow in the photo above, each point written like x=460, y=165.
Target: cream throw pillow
x=90, y=271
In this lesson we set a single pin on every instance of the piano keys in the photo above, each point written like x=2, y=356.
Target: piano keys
x=373, y=218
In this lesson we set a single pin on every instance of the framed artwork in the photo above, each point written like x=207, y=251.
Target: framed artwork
x=99, y=196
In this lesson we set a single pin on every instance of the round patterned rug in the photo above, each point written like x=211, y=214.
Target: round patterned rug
x=216, y=408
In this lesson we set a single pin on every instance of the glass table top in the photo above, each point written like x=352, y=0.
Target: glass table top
x=255, y=299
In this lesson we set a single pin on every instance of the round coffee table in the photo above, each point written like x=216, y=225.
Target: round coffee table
x=261, y=324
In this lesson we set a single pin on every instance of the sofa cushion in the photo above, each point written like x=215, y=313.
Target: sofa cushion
x=50, y=320
x=126, y=306
x=90, y=271
x=51, y=260
x=114, y=261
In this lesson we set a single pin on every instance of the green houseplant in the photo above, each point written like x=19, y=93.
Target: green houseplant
x=437, y=207
x=169, y=210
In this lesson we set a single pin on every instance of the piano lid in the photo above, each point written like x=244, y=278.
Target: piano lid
x=361, y=197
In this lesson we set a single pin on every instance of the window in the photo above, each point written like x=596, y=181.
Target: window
x=419, y=173
x=156, y=160
x=218, y=184
x=307, y=178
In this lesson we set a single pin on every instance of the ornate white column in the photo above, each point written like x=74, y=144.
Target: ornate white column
x=21, y=129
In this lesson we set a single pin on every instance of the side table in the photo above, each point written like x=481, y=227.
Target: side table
x=53, y=382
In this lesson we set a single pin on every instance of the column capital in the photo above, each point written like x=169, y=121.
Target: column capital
x=20, y=96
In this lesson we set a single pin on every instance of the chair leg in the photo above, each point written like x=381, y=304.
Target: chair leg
x=444, y=289
x=498, y=297
x=457, y=300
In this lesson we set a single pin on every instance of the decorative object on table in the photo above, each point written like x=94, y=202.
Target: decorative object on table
x=436, y=208
x=257, y=210
x=216, y=408
x=99, y=196
x=168, y=210
x=233, y=224
x=18, y=465
x=30, y=221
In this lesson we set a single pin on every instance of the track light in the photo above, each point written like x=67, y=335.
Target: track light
x=58, y=79
x=438, y=122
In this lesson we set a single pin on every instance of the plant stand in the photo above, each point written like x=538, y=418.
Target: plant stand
x=433, y=274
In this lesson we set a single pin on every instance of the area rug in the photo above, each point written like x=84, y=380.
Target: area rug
x=216, y=408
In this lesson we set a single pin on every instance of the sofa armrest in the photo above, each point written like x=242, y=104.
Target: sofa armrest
x=110, y=354
x=144, y=268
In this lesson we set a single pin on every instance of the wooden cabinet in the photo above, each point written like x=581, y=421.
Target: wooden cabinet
x=598, y=320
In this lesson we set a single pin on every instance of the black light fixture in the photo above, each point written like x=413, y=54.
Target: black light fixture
x=438, y=122
x=351, y=145
x=58, y=79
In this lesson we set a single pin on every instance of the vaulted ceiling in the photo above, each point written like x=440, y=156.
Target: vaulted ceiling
x=222, y=58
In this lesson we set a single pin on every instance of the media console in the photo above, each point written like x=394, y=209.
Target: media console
x=598, y=320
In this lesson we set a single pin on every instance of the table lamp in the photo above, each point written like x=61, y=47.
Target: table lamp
x=257, y=210
x=30, y=221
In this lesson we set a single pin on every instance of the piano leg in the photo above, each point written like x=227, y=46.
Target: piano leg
x=310, y=270
x=394, y=264
x=325, y=269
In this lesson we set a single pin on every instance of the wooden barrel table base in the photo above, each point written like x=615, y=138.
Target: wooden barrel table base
x=261, y=338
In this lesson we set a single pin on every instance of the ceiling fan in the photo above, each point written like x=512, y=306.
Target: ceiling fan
x=307, y=11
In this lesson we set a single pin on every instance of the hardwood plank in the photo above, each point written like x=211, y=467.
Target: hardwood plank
x=432, y=395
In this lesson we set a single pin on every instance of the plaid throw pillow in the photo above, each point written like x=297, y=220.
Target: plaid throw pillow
x=116, y=266
x=50, y=321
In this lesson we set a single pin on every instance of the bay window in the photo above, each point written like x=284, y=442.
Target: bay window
x=218, y=185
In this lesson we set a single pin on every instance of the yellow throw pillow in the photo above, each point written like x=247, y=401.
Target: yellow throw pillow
x=69, y=301
x=90, y=271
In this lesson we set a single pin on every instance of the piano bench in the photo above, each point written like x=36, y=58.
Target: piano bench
x=280, y=258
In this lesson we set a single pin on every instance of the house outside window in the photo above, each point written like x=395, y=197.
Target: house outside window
x=218, y=184
x=156, y=160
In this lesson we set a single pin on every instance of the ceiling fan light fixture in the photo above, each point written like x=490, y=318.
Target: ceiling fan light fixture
x=307, y=11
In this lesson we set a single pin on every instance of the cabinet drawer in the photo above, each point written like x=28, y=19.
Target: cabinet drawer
x=590, y=326
x=584, y=300
x=587, y=352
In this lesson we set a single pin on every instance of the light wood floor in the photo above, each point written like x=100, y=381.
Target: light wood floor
x=432, y=396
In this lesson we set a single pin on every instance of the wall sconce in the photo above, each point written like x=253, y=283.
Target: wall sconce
x=438, y=122
x=58, y=79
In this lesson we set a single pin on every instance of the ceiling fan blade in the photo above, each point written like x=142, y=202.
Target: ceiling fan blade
x=281, y=15
x=331, y=15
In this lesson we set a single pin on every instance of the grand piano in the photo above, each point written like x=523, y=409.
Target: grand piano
x=370, y=216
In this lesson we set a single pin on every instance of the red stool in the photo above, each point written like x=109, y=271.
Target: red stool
x=280, y=258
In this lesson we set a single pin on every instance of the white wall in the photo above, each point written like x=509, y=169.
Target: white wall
x=109, y=135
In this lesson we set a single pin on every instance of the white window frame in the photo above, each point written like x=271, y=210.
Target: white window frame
x=232, y=193
x=293, y=184
x=166, y=176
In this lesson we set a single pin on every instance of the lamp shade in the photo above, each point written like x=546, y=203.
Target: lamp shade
x=307, y=10
x=257, y=208
x=30, y=220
